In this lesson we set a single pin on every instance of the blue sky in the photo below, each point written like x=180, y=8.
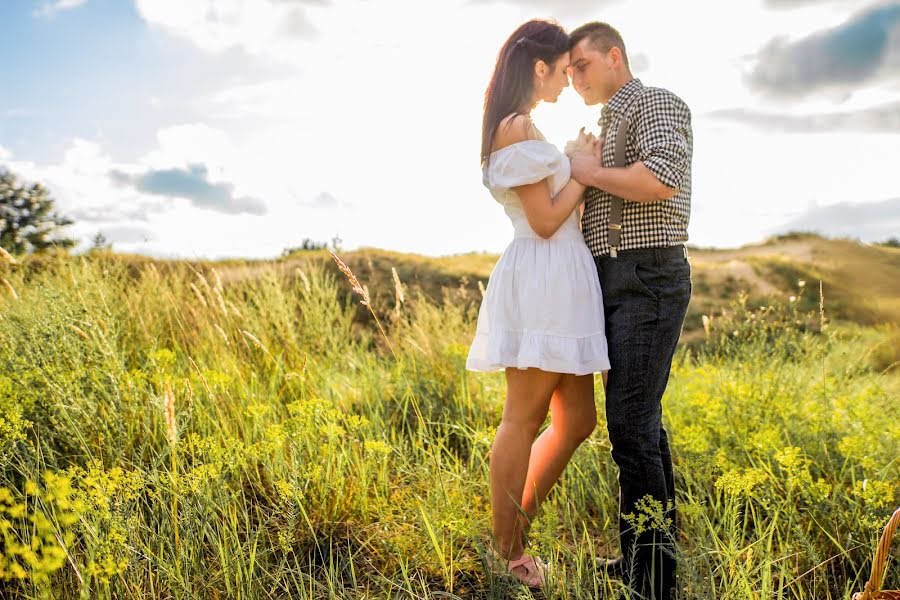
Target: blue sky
x=238, y=127
x=91, y=72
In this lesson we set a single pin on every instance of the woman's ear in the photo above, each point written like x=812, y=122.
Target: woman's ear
x=540, y=68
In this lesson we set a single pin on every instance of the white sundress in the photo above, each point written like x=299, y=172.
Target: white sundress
x=542, y=306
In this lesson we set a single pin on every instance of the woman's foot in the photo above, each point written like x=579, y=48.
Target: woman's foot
x=528, y=569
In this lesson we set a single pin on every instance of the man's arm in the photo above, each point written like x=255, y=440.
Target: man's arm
x=635, y=182
x=662, y=129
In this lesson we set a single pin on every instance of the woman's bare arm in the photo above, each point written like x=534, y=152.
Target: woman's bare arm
x=545, y=213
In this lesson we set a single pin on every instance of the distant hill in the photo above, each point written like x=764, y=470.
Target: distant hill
x=860, y=282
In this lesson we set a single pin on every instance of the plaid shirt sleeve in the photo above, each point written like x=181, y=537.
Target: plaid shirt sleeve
x=662, y=128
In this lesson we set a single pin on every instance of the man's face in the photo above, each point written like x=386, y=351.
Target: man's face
x=591, y=72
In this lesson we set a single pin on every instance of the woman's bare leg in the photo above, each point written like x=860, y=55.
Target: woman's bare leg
x=527, y=402
x=573, y=417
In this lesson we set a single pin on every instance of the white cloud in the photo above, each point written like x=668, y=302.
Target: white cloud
x=271, y=28
x=50, y=9
x=345, y=119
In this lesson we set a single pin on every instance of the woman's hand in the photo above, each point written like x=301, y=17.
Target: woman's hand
x=583, y=143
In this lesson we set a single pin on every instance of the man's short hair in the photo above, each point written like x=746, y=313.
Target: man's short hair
x=602, y=36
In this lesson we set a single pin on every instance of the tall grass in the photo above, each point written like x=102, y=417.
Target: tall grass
x=166, y=433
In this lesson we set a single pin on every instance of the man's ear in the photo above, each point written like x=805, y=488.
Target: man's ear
x=615, y=55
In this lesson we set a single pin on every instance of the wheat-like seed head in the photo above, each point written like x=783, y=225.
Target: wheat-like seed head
x=10, y=289
x=398, y=287
x=205, y=283
x=822, y=322
x=221, y=300
x=255, y=341
x=169, y=411
x=79, y=331
x=190, y=395
x=364, y=292
x=234, y=309
x=7, y=256
x=199, y=294
x=222, y=333
x=304, y=279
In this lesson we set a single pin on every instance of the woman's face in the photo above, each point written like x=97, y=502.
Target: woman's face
x=555, y=79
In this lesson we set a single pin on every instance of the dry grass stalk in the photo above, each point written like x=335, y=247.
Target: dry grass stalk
x=202, y=378
x=398, y=287
x=364, y=292
x=255, y=341
x=6, y=256
x=169, y=410
x=304, y=279
x=822, y=322
x=199, y=294
x=79, y=331
x=222, y=333
x=354, y=282
x=221, y=301
x=203, y=281
x=9, y=288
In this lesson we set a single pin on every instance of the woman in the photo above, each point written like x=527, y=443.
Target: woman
x=541, y=318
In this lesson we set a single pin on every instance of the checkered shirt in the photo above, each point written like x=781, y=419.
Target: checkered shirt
x=660, y=136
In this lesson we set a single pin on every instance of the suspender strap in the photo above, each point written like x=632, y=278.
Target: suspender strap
x=615, y=207
x=616, y=204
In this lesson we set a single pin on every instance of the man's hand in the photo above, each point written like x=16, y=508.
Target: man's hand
x=585, y=165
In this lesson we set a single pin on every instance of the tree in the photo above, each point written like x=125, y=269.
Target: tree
x=100, y=242
x=309, y=244
x=27, y=217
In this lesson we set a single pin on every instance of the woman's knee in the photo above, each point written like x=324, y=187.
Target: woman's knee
x=528, y=397
x=576, y=409
x=581, y=427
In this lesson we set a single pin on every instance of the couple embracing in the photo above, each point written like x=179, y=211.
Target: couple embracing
x=595, y=279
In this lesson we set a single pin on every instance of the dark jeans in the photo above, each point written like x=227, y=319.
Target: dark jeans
x=645, y=296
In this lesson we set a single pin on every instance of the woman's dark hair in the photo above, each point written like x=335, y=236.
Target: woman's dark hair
x=513, y=78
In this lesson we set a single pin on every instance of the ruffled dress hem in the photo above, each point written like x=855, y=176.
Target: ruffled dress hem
x=499, y=349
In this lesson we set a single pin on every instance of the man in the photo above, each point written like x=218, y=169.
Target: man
x=646, y=281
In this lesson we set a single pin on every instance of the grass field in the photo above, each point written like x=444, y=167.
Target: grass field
x=250, y=430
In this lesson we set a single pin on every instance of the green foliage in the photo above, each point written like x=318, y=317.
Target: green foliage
x=303, y=452
x=27, y=220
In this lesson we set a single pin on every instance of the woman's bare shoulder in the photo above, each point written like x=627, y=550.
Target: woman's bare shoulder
x=514, y=128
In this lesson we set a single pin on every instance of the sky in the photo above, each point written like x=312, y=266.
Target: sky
x=237, y=128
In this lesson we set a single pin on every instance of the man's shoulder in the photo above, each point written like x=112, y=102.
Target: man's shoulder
x=656, y=97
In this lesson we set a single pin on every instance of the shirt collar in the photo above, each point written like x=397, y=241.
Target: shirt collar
x=623, y=97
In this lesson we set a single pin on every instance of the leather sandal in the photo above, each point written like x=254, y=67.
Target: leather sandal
x=535, y=569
